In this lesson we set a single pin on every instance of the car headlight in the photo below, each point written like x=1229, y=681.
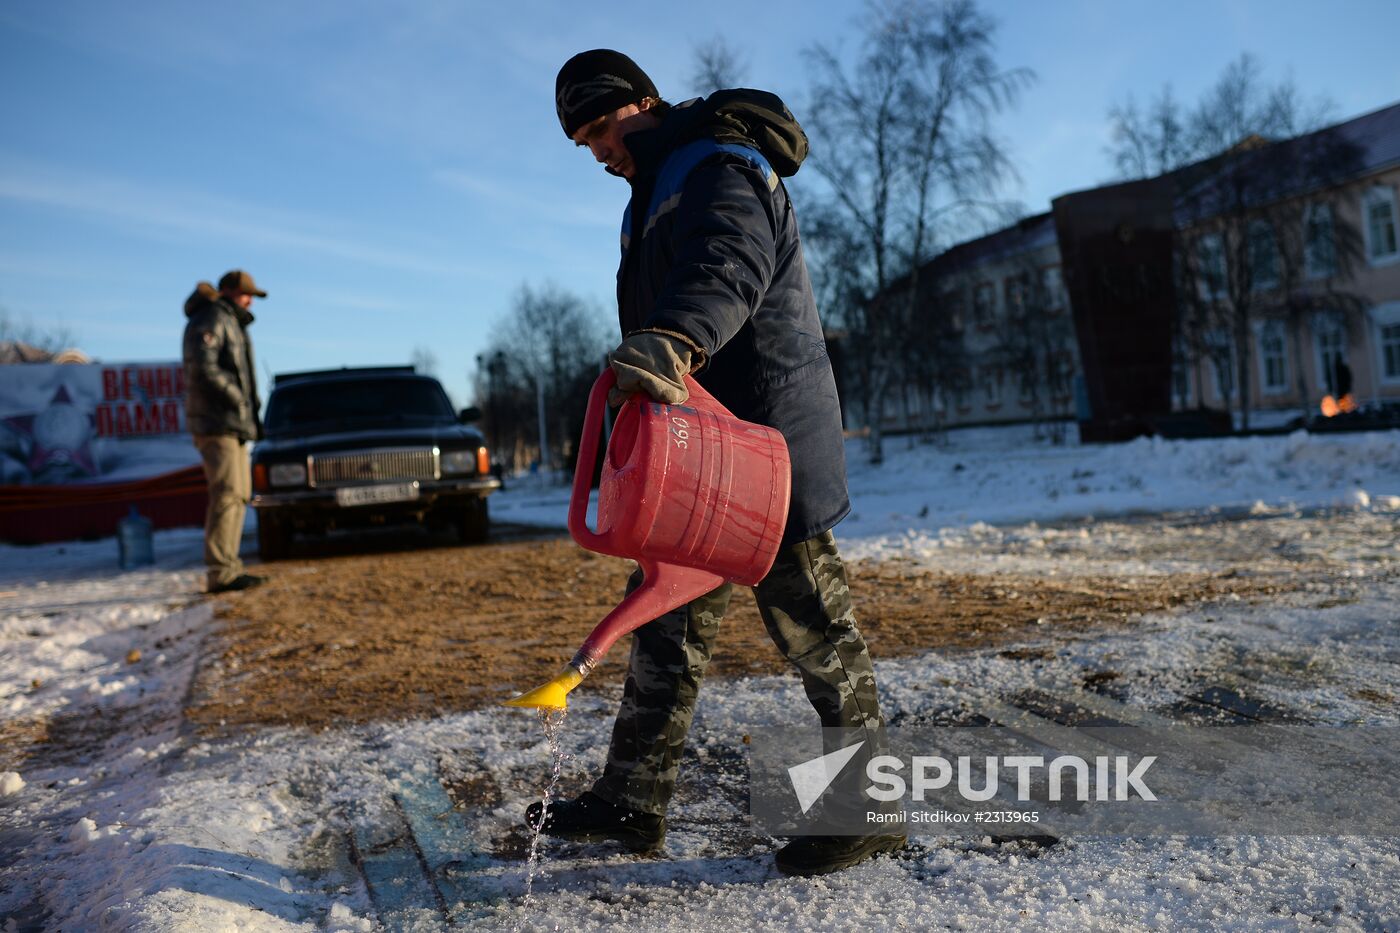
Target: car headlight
x=287, y=474
x=458, y=461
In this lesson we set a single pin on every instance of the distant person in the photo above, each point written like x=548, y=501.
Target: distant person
x=221, y=410
x=1343, y=378
x=713, y=282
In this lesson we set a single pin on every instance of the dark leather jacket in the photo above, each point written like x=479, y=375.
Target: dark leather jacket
x=221, y=389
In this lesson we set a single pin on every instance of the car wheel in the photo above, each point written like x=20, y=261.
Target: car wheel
x=474, y=523
x=274, y=539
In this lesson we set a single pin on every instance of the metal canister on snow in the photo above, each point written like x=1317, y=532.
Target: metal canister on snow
x=134, y=544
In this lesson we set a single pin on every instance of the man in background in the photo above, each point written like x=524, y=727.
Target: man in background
x=221, y=411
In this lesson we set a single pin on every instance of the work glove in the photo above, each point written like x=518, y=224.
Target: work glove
x=654, y=363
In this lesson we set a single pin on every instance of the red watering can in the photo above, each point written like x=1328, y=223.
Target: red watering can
x=694, y=495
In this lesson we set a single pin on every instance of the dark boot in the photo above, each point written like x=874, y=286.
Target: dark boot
x=818, y=855
x=590, y=818
x=244, y=581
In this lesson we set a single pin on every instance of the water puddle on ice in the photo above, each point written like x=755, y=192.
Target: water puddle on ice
x=553, y=722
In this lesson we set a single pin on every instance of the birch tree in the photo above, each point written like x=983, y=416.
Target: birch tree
x=903, y=145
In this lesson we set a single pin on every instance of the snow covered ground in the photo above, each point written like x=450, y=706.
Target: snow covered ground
x=1002, y=475
x=133, y=822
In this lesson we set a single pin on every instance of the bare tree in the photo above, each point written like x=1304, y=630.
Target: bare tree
x=1151, y=142
x=23, y=341
x=902, y=141
x=425, y=360
x=717, y=65
x=933, y=365
x=1239, y=161
x=550, y=342
x=1033, y=342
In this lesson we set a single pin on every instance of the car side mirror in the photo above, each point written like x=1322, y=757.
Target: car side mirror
x=468, y=415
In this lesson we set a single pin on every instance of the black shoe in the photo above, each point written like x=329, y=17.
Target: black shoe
x=818, y=855
x=242, y=582
x=590, y=818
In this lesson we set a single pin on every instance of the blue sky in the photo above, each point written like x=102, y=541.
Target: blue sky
x=392, y=173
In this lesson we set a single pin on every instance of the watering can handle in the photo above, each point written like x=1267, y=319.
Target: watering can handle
x=587, y=457
x=588, y=452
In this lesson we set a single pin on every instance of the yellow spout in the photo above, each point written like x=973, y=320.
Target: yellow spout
x=553, y=694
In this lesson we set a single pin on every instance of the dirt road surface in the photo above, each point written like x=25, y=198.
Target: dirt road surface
x=406, y=627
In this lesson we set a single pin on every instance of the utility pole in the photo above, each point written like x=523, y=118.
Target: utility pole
x=544, y=432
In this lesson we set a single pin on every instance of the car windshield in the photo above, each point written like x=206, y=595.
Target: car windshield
x=343, y=402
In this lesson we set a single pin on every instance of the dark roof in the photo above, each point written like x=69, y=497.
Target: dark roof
x=1025, y=235
x=1376, y=135
x=346, y=373
x=1264, y=174
x=1365, y=144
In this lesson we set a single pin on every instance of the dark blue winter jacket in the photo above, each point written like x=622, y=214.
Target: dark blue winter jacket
x=710, y=250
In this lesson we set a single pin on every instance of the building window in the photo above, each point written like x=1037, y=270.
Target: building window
x=1028, y=379
x=1379, y=208
x=1273, y=357
x=1221, y=350
x=1386, y=320
x=1052, y=283
x=1182, y=364
x=1210, y=264
x=1390, y=352
x=1015, y=286
x=1062, y=383
x=889, y=408
x=1319, y=242
x=960, y=386
x=1263, y=256
x=991, y=385
x=952, y=308
x=1332, y=365
x=915, y=400
x=983, y=303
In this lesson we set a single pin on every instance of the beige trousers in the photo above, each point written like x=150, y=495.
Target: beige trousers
x=227, y=471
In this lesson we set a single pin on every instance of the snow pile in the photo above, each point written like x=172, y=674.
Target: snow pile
x=1003, y=475
x=924, y=486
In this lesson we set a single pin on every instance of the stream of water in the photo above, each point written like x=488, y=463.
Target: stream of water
x=553, y=722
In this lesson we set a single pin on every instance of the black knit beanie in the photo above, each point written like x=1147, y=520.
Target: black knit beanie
x=595, y=83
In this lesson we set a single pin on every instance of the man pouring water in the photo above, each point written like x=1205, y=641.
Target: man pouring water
x=713, y=283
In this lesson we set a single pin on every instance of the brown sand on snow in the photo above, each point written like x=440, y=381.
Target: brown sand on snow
x=408, y=634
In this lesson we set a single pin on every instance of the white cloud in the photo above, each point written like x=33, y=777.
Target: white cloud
x=152, y=209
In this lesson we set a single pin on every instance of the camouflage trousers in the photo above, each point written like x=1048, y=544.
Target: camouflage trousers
x=806, y=607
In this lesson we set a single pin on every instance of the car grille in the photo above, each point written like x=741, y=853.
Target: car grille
x=373, y=466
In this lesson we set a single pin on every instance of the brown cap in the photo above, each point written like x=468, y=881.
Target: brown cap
x=239, y=281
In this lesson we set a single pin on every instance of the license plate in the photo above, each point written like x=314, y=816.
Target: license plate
x=375, y=495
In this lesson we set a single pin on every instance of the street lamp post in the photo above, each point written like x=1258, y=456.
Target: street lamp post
x=544, y=432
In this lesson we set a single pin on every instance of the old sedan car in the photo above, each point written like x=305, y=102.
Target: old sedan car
x=351, y=448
